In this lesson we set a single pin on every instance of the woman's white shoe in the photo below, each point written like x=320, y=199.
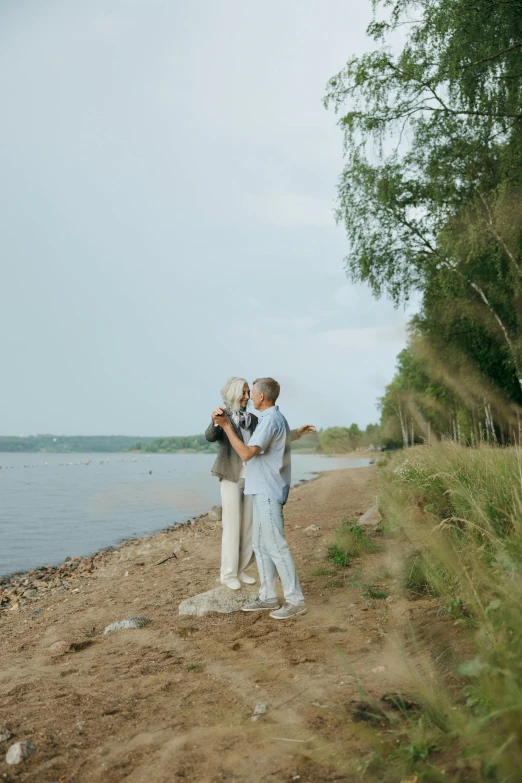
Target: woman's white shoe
x=247, y=579
x=234, y=584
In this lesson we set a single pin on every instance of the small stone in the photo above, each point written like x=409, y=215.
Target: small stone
x=80, y=724
x=30, y=593
x=20, y=751
x=311, y=528
x=36, y=613
x=351, y=618
x=59, y=648
x=371, y=518
x=379, y=669
x=129, y=623
x=261, y=708
x=5, y=734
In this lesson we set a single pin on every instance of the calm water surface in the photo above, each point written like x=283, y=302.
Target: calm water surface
x=53, y=506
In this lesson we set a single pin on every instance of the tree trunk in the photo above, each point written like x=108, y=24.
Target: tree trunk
x=404, y=428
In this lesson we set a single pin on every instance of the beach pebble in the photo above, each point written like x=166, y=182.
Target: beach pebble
x=5, y=734
x=20, y=751
x=311, y=528
x=129, y=623
x=59, y=648
x=260, y=709
x=371, y=518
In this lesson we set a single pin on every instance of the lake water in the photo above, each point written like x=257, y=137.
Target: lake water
x=53, y=506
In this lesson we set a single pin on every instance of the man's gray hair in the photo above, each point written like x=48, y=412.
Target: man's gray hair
x=269, y=387
x=232, y=392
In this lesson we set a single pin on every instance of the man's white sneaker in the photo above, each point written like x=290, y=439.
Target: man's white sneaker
x=288, y=610
x=233, y=583
x=247, y=579
x=258, y=604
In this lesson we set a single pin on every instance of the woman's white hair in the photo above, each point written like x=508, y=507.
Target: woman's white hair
x=232, y=392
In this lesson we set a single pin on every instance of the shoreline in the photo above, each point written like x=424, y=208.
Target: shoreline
x=72, y=564
x=13, y=585
x=173, y=698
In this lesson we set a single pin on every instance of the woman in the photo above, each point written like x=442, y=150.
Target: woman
x=236, y=546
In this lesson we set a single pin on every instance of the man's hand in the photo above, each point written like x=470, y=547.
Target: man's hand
x=306, y=429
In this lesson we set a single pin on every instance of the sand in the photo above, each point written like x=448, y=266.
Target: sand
x=173, y=701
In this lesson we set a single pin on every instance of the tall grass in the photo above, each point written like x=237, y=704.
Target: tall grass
x=461, y=510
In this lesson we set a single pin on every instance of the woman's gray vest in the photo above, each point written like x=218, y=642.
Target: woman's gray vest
x=228, y=463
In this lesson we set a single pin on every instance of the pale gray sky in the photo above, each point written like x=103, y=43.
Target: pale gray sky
x=167, y=188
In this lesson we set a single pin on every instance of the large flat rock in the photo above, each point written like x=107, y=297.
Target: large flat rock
x=221, y=599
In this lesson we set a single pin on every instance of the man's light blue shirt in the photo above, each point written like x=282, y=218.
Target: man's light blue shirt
x=268, y=473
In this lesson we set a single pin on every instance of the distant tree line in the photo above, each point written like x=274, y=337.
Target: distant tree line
x=334, y=440
x=68, y=443
x=170, y=445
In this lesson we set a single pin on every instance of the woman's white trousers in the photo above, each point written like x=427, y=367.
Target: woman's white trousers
x=236, y=546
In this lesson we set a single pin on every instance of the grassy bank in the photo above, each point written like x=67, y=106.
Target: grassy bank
x=459, y=511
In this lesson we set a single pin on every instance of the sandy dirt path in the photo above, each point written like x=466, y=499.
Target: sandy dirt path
x=173, y=701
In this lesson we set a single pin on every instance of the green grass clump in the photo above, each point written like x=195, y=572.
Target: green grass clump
x=461, y=510
x=194, y=667
x=338, y=555
x=324, y=572
x=352, y=541
x=373, y=591
x=355, y=540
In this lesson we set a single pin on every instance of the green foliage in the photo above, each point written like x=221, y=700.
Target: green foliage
x=374, y=591
x=338, y=555
x=355, y=540
x=431, y=200
x=69, y=443
x=187, y=444
x=416, y=576
x=105, y=443
x=343, y=440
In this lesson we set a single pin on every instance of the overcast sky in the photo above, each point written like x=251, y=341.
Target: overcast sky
x=168, y=176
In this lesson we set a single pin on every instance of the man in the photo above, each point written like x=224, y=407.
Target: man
x=268, y=480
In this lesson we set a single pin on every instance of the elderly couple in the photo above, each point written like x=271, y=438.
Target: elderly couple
x=253, y=466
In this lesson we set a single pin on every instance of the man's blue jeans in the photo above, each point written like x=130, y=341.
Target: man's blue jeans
x=272, y=552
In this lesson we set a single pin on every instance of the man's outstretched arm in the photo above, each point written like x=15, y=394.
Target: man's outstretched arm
x=245, y=452
x=305, y=429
